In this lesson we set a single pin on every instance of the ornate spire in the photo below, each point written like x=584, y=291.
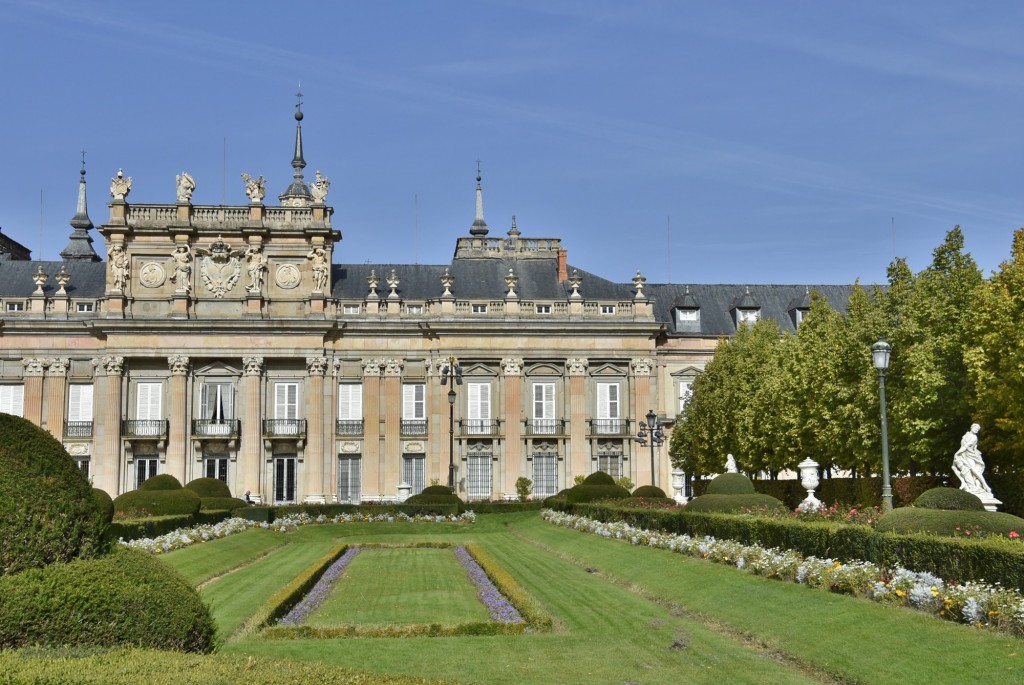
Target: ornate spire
x=297, y=194
x=479, y=227
x=80, y=246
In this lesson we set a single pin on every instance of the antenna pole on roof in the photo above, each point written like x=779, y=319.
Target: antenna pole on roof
x=668, y=245
x=40, y=223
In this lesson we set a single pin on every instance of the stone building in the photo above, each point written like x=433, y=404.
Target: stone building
x=226, y=342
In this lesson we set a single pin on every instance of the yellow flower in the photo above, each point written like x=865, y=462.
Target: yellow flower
x=901, y=593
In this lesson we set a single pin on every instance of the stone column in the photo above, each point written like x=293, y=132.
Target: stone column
x=177, y=435
x=642, y=402
x=56, y=395
x=250, y=463
x=107, y=437
x=33, y=405
x=576, y=368
x=372, y=369
x=512, y=368
x=316, y=367
x=392, y=457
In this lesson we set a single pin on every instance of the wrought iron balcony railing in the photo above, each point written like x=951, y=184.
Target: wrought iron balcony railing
x=481, y=427
x=78, y=429
x=414, y=427
x=211, y=428
x=348, y=427
x=144, y=428
x=545, y=427
x=284, y=427
x=610, y=427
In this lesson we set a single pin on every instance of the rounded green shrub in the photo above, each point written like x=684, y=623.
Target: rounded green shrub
x=659, y=502
x=207, y=487
x=947, y=522
x=125, y=598
x=221, y=503
x=436, y=490
x=592, y=493
x=735, y=504
x=598, y=478
x=646, y=491
x=949, y=499
x=141, y=503
x=163, y=481
x=730, y=484
x=104, y=505
x=446, y=500
x=47, y=511
x=555, y=499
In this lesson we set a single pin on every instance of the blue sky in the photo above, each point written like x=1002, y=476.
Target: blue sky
x=725, y=142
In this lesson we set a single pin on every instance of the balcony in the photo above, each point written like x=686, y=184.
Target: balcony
x=348, y=427
x=78, y=429
x=414, y=427
x=545, y=427
x=273, y=428
x=618, y=427
x=481, y=427
x=216, y=428
x=144, y=428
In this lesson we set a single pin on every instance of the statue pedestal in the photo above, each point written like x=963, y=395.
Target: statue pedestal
x=990, y=502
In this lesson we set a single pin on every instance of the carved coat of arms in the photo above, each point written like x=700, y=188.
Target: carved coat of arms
x=220, y=267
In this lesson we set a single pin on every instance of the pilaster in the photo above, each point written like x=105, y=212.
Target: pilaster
x=56, y=385
x=108, y=429
x=177, y=436
x=314, y=467
x=641, y=402
x=392, y=460
x=576, y=368
x=512, y=368
x=33, y=407
x=252, y=431
x=372, y=369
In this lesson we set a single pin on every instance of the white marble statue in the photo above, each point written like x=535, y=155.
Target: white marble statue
x=255, y=188
x=968, y=465
x=319, y=188
x=730, y=464
x=186, y=184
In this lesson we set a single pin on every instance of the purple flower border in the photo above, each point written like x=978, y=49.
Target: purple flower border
x=498, y=606
x=320, y=591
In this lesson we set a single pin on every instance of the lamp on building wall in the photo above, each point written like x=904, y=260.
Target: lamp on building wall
x=451, y=375
x=880, y=353
x=651, y=430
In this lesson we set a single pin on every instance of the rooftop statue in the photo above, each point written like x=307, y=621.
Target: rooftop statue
x=186, y=184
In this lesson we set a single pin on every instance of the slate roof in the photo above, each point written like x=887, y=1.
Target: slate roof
x=88, y=279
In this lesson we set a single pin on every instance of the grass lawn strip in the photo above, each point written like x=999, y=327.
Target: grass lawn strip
x=202, y=563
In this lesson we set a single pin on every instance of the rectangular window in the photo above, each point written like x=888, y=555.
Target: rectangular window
x=12, y=399
x=479, y=405
x=216, y=402
x=15, y=306
x=749, y=316
x=610, y=464
x=609, y=420
x=413, y=472
x=350, y=409
x=145, y=468
x=607, y=309
x=478, y=476
x=149, y=408
x=414, y=409
x=83, y=307
x=479, y=309
x=351, y=309
x=284, y=480
x=349, y=475
x=83, y=465
x=544, y=409
x=415, y=309
x=684, y=393
x=543, y=309
x=286, y=408
x=216, y=467
x=545, y=474
x=80, y=402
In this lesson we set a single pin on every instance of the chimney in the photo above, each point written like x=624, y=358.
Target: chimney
x=563, y=269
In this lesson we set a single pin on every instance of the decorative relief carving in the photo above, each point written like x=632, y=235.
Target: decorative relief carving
x=33, y=366
x=252, y=366
x=112, y=364
x=117, y=259
x=316, y=366
x=256, y=267
x=642, y=366
x=413, y=447
x=57, y=366
x=255, y=188
x=393, y=367
x=372, y=367
x=337, y=366
x=78, y=449
x=182, y=257
x=120, y=186
x=287, y=276
x=220, y=268
x=178, y=364
x=318, y=265
x=349, y=447
x=577, y=366
x=185, y=185
x=319, y=188
x=512, y=366
x=152, y=275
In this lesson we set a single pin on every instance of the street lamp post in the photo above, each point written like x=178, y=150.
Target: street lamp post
x=880, y=352
x=651, y=430
x=451, y=375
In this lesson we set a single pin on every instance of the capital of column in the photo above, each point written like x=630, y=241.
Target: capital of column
x=512, y=366
x=57, y=366
x=393, y=367
x=34, y=366
x=577, y=366
x=316, y=366
x=642, y=366
x=252, y=366
x=178, y=364
x=372, y=367
x=112, y=365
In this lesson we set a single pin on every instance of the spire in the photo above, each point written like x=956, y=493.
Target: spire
x=479, y=227
x=297, y=194
x=80, y=246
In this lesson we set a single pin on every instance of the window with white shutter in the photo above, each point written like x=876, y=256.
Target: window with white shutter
x=80, y=402
x=544, y=408
x=608, y=418
x=350, y=409
x=479, y=409
x=149, y=412
x=12, y=399
x=286, y=401
x=414, y=409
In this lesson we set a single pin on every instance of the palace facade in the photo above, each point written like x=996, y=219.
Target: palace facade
x=226, y=342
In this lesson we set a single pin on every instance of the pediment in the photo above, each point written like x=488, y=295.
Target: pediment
x=217, y=368
x=545, y=370
x=607, y=370
x=687, y=372
x=476, y=369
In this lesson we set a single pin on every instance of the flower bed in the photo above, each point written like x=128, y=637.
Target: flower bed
x=976, y=603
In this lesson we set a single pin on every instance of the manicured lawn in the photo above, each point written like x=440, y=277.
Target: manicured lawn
x=200, y=563
x=623, y=615
x=422, y=585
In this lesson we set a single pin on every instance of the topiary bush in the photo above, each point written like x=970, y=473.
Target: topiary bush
x=590, y=493
x=163, y=481
x=949, y=522
x=646, y=502
x=446, y=500
x=730, y=484
x=555, y=499
x=104, y=505
x=125, y=598
x=437, y=490
x=47, y=510
x=735, y=504
x=206, y=487
x=220, y=503
x=598, y=478
x=646, y=491
x=142, y=503
x=949, y=499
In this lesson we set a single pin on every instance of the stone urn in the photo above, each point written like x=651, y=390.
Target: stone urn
x=809, y=480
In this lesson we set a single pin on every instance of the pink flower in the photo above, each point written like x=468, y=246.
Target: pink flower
x=1014, y=535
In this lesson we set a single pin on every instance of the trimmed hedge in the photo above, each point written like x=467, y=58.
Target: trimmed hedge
x=949, y=522
x=209, y=487
x=440, y=504
x=508, y=507
x=590, y=493
x=221, y=503
x=140, y=503
x=269, y=514
x=149, y=527
x=162, y=481
x=649, y=491
x=437, y=490
x=47, y=510
x=735, y=504
x=853, y=492
x=598, y=478
x=731, y=484
x=125, y=598
x=104, y=505
x=961, y=559
x=949, y=499
x=647, y=502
